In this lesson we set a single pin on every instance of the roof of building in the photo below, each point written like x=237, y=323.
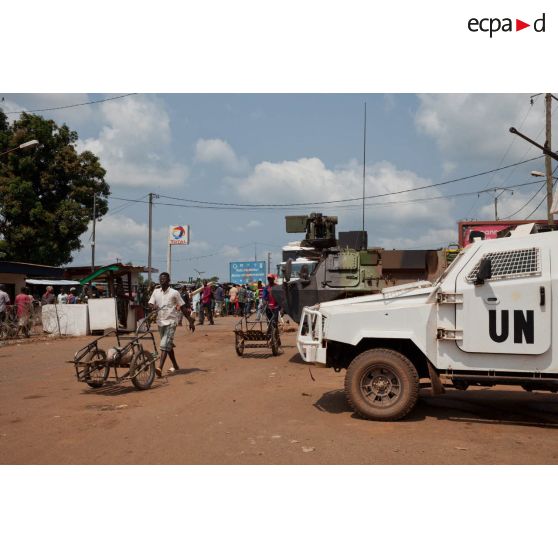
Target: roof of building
x=31, y=270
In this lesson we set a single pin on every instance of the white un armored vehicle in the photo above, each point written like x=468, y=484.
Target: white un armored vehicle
x=491, y=318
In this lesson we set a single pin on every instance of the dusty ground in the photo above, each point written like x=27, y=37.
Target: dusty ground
x=259, y=409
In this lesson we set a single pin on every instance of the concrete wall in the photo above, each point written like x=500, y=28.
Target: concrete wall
x=102, y=313
x=66, y=319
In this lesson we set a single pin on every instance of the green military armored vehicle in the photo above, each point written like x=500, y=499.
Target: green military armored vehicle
x=330, y=268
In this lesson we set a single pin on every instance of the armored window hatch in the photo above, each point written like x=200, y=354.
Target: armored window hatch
x=510, y=264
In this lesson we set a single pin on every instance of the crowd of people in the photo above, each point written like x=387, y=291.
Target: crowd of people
x=200, y=304
x=226, y=300
x=19, y=315
x=22, y=311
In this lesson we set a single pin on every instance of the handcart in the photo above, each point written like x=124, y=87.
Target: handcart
x=257, y=334
x=93, y=363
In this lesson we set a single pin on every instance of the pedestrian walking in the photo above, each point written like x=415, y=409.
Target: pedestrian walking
x=24, y=308
x=196, y=301
x=206, y=301
x=241, y=299
x=272, y=307
x=233, y=297
x=4, y=302
x=188, y=302
x=219, y=296
x=249, y=301
x=260, y=305
x=166, y=300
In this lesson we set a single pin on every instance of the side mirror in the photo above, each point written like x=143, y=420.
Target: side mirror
x=485, y=271
x=288, y=270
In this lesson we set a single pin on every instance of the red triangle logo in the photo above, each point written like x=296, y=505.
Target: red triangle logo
x=519, y=25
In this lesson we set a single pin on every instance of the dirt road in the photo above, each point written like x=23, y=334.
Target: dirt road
x=254, y=410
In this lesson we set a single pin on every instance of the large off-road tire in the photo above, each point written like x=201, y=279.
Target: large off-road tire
x=142, y=369
x=239, y=345
x=382, y=384
x=97, y=369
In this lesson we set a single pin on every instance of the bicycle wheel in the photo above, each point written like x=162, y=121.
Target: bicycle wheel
x=4, y=331
x=97, y=370
x=142, y=369
x=239, y=344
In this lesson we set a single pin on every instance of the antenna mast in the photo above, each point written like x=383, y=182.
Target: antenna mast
x=364, y=180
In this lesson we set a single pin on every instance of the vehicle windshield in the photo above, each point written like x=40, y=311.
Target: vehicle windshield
x=297, y=267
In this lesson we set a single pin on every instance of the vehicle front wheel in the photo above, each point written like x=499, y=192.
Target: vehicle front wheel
x=382, y=384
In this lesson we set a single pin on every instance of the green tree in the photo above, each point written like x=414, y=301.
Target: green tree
x=46, y=193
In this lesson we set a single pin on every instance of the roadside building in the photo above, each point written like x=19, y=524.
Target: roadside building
x=15, y=274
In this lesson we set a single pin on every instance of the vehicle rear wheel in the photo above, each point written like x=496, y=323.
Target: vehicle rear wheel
x=142, y=369
x=239, y=345
x=97, y=369
x=382, y=384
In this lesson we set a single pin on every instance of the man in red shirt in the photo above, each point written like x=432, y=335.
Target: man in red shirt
x=24, y=306
x=272, y=307
x=206, y=300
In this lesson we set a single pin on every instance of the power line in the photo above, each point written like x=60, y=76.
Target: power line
x=193, y=258
x=72, y=106
x=283, y=207
x=544, y=197
x=540, y=203
x=528, y=149
x=125, y=205
x=525, y=204
x=530, y=200
x=513, y=140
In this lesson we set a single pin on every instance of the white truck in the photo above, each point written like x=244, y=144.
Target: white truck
x=491, y=318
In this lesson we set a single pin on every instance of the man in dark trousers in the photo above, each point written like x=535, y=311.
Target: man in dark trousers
x=272, y=307
x=206, y=299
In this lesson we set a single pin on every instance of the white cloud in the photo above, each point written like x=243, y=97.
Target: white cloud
x=250, y=225
x=309, y=180
x=476, y=127
x=230, y=251
x=219, y=151
x=134, y=144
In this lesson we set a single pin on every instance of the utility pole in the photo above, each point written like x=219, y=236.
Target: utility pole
x=255, y=252
x=151, y=196
x=363, y=246
x=169, y=259
x=547, y=158
x=496, y=196
x=93, y=232
x=269, y=262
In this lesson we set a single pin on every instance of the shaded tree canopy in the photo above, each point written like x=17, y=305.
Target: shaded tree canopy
x=46, y=192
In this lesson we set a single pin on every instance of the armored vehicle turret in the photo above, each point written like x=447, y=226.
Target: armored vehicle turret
x=323, y=268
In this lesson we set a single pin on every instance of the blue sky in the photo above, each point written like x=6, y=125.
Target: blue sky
x=296, y=148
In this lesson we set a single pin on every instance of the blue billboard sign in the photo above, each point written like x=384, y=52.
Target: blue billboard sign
x=247, y=272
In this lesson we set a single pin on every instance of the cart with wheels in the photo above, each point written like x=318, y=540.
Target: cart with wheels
x=94, y=362
x=257, y=334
